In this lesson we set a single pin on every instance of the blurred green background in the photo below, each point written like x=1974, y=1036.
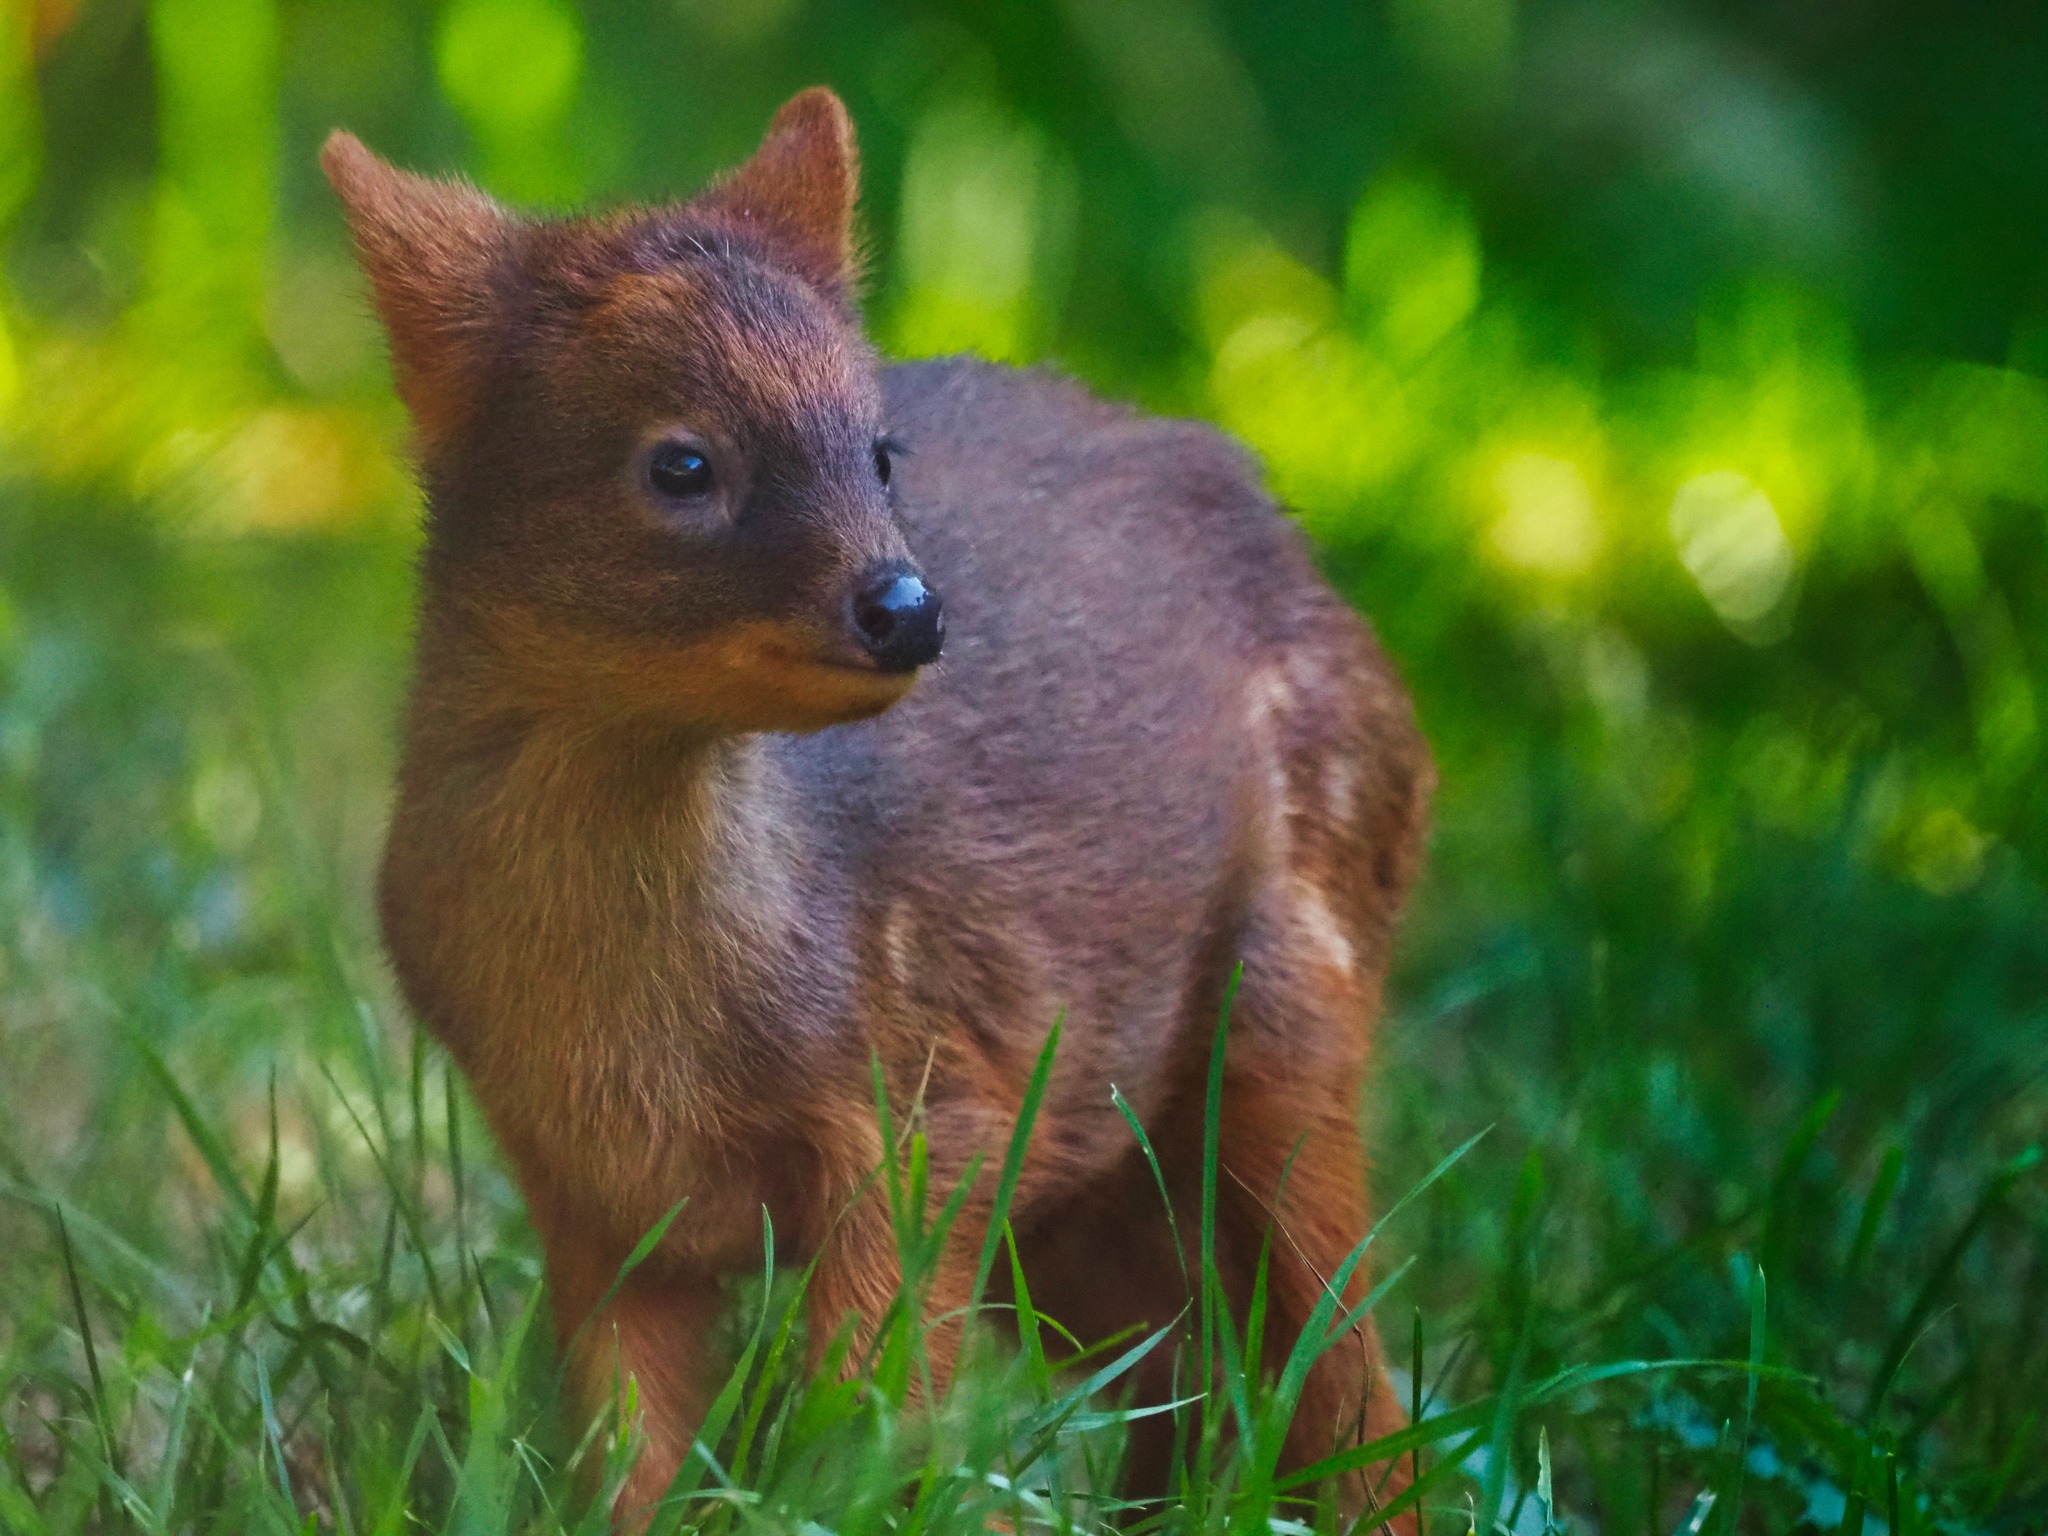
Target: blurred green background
x=1665, y=380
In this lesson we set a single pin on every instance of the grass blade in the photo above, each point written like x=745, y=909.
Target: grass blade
x=646, y=1246
x=1013, y=1161
x=102, y=1418
x=1757, y=1318
x=1123, y=1107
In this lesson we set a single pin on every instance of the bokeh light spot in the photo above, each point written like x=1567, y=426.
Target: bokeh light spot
x=1944, y=852
x=983, y=211
x=1411, y=265
x=509, y=66
x=1731, y=541
x=1547, y=520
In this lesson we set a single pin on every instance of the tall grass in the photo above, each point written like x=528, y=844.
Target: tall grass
x=401, y=1375
x=1757, y=1239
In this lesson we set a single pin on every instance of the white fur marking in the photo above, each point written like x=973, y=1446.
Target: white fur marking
x=896, y=945
x=1340, y=789
x=1270, y=699
x=1319, y=926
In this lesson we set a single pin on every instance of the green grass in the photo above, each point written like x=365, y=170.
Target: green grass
x=1752, y=1093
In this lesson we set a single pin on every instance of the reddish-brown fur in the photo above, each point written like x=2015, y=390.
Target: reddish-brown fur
x=669, y=862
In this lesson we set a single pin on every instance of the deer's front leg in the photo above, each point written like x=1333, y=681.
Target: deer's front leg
x=859, y=1272
x=655, y=1332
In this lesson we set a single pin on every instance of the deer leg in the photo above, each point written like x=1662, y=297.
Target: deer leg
x=859, y=1270
x=653, y=1330
x=1105, y=1264
x=1293, y=1166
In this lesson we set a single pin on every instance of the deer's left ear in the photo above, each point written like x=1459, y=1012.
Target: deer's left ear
x=799, y=190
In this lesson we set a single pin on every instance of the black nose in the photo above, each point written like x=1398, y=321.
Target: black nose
x=900, y=621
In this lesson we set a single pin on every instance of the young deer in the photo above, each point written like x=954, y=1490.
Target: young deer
x=693, y=823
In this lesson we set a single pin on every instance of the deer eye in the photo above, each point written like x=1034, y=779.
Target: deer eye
x=884, y=452
x=677, y=470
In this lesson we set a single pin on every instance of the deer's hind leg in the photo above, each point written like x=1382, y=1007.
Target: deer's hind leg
x=1291, y=1183
x=1292, y=1177
x=1339, y=783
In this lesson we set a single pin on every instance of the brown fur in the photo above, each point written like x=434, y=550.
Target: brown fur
x=662, y=928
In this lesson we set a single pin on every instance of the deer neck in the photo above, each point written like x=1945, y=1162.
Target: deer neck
x=600, y=876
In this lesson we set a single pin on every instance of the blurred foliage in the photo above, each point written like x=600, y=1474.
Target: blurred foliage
x=1666, y=380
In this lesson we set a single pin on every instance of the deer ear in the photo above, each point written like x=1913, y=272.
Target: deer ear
x=799, y=189
x=431, y=249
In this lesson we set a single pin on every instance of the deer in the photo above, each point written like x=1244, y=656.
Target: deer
x=782, y=717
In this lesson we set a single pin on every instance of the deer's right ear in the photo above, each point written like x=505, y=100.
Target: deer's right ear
x=431, y=249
